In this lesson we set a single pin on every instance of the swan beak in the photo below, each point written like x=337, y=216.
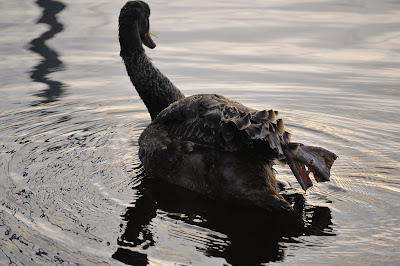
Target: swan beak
x=304, y=160
x=148, y=41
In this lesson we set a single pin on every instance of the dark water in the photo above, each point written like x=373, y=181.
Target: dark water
x=72, y=189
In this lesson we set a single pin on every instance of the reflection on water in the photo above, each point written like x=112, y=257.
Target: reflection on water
x=50, y=62
x=166, y=218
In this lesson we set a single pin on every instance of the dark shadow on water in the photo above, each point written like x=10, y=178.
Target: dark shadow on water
x=50, y=62
x=254, y=236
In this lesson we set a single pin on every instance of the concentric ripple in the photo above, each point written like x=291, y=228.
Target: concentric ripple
x=67, y=179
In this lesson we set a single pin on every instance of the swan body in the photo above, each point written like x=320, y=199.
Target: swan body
x=208, y=143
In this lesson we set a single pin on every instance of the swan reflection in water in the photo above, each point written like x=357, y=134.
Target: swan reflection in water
x=51, y=61
x=243, y=235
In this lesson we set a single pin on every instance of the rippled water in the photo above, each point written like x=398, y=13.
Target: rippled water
x=72, y=189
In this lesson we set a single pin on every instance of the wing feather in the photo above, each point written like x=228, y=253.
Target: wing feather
x=213, y=121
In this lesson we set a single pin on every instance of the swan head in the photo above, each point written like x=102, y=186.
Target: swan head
x=137, y=13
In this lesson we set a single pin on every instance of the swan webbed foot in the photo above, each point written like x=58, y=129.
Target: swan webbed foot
x=304, y=160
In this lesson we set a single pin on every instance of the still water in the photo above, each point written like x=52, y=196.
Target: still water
x=72, y=189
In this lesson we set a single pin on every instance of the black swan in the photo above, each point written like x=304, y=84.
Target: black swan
x=208, y=143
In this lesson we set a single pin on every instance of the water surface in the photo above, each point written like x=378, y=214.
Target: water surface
x=72, y=188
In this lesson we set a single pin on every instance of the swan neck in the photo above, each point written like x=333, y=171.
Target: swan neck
x=156, y=90
x=129, y=38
